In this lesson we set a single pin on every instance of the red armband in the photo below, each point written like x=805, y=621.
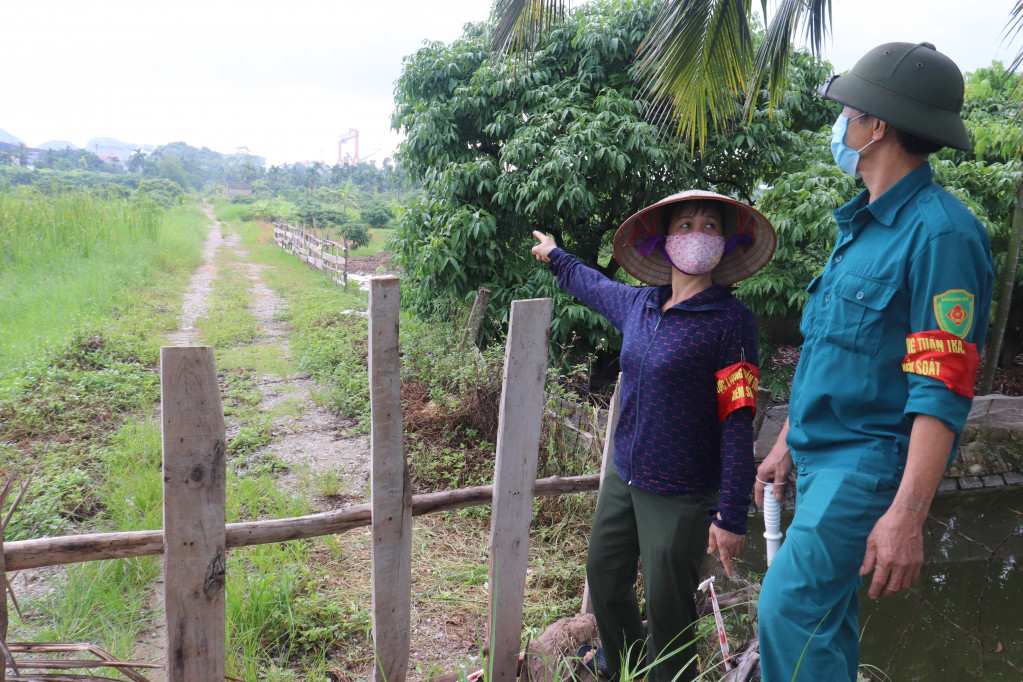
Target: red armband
x=737, y=387
x=945, y=357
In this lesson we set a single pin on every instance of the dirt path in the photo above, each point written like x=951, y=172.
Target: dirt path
x=308, y=439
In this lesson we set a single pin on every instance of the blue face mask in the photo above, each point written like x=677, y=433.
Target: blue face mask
x=846, y=158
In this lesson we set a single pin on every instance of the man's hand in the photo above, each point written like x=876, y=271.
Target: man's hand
x=726, y=544
x=895, y=547
x=895, y=552
x=775, y=469
x=543, y=249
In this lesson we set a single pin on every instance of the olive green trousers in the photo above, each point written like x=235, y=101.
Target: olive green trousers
x=669, y=533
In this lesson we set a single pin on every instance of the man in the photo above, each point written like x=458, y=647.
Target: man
x=892, y=331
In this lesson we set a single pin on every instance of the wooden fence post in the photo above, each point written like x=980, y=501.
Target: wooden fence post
x=476, y=315
x=3, y=607
x=518, y=442
x=613, y=412
x=391, y=489
x=194, y=514
x=344, y=277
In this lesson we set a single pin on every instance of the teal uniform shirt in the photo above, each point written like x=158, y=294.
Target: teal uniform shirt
x=913, y=261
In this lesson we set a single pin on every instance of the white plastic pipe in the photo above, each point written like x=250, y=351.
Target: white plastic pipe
x=772, y=522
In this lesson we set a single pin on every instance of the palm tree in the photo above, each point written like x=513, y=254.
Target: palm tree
x=274, y=174
x=137, y=161
x=313, y=172
x=345, y=197
x=697, y=60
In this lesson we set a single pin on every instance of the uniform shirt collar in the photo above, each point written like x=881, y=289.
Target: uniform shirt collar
x=887, y=206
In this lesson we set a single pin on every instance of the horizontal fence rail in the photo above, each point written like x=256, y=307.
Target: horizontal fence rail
x=73, y=549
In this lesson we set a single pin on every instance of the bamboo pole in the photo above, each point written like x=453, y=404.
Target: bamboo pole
x=73, y=549
x=391, y=489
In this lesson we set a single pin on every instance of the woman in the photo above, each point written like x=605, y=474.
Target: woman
x=683, y=463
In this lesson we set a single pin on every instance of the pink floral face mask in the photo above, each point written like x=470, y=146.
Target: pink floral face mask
x=694, y=253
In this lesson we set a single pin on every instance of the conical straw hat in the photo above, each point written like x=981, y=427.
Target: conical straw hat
x=739, y=218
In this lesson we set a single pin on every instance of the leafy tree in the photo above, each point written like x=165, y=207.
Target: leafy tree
x=164, y=192
x=170, y=168
x=557, y=144
x=356, y=234
x=70, y=158
x=377, y=215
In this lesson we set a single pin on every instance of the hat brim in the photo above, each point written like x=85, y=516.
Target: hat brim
x=940, y=126
x=655, y=268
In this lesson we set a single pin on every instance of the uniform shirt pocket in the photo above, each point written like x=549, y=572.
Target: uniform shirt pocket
x=857, y=318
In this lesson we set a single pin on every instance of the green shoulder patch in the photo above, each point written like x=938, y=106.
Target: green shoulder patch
x=954, y=310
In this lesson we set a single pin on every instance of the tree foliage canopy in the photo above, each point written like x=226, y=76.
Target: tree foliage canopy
x=557, y=143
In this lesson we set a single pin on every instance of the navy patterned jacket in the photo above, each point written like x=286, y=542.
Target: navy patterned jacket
x=669, y=439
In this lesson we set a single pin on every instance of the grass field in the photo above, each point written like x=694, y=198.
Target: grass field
x=82, y=261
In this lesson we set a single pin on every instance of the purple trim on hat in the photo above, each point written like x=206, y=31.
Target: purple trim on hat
x=744, y=235
x=743, y=240
x=648, y=227
x=648, y=245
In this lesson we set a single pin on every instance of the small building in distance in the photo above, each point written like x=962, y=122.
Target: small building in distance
x=238, y=188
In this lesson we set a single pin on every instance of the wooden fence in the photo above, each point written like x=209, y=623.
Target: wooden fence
x=195, y=537
x=321, y=254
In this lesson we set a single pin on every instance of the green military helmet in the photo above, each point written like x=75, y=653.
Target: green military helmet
x=911, y=86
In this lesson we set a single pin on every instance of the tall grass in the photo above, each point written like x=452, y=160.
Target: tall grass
x=39, y=228
x=74, y=261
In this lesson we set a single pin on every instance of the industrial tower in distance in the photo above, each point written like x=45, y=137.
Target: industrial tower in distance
x=348, y=159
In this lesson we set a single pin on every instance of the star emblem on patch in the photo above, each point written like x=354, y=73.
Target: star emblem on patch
x=957, y=315
x=953, y=311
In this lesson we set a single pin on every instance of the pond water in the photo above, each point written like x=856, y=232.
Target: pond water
x=963, y=618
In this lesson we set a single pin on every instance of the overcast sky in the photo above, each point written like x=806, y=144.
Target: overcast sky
x=285, y=79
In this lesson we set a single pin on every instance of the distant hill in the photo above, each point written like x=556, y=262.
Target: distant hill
x=7, y=137
x=114, y=147
x=58, y=145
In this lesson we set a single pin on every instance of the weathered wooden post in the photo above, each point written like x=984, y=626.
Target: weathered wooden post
x=476, y=315
x=3, y=607
x=344, y=276
x=518, y=442
x=391, y=489
x=194, y=514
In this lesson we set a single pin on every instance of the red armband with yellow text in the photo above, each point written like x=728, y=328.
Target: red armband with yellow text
x=737, y=387
x=945, y=357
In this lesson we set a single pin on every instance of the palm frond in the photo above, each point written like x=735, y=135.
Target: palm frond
x=772, y=58
x=1013, y=30
x=693, y=64
x=523, y=24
